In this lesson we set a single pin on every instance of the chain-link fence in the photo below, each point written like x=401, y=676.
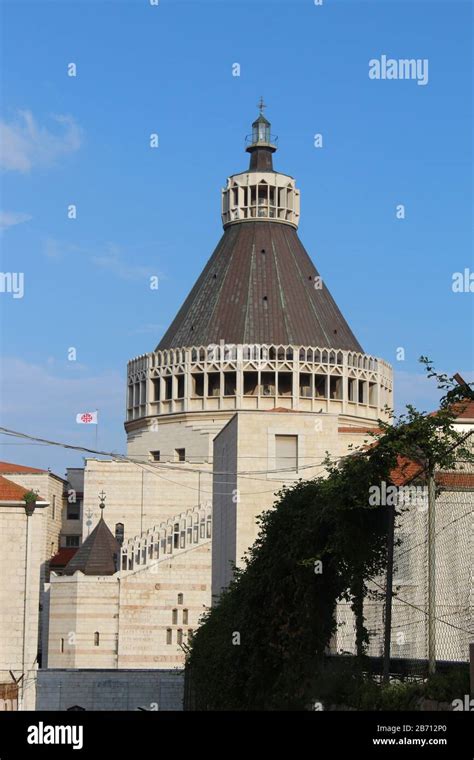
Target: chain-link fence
x=454, y=578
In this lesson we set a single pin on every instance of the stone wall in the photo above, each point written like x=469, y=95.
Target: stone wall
x=110, y=689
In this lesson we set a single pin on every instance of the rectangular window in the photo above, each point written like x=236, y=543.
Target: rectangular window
x=156, y=389
x=185, y=617
x=230, y=383
x=180, y=636
x=198, y=384
x=335, y=388
x=320, y=386
x=168, y=388
x=285, y=384
x=61, y=645
x=96, y=639
x=362, y=391
x=286, y=452
x=168, y=636
x=180, y=455
x=155, y=456
x=213, y=384
x=250, y=383
x=53, y=508
x=174, y=619
x=180, y=598
x=352, y=389
x=72, y=542
x=373, y=394
x=305, y=385
x=268, y=384
x=73, y=511
x=180, y=386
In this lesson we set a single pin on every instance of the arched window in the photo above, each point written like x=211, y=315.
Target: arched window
x=180, y=598
x=180, y=636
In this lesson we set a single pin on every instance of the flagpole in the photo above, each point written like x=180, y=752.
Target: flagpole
x=97, y=429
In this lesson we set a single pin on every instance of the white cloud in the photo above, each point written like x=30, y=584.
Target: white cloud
x=25, y=144
x=109, y=259
x=112, y=262
x=11, y=218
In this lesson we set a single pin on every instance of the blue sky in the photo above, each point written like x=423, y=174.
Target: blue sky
x=167, y=69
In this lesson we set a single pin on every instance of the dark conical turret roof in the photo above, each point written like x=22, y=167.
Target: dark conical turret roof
x=259, y=284
x=258, y=287
x=97, y=555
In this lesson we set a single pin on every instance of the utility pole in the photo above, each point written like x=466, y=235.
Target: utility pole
x=431, y=571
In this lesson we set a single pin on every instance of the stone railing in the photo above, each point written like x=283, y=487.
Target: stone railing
x=181, y=533
x=248, y=376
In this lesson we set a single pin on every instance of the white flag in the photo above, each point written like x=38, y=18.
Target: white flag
x=87, y=418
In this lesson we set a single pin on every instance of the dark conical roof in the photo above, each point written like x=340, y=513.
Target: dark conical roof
x=97, y=555
x=258, y=287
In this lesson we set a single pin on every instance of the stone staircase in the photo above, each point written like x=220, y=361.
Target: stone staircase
x=174, y=536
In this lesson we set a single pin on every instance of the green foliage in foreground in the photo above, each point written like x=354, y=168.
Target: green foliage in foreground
x=262, y=647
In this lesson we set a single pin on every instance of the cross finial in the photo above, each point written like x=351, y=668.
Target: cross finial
x=102, y=497
x=261, y=105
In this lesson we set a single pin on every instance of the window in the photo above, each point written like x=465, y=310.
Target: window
x=180, y=636
x=372, y=394
x=156, y=389
x=180, y=455
x=96, y=639
x=155, y=456
x=185, y=617
x=352, y=389
x=74, y=510
x=250, y=383
x=52, y=548
x=362, y=391
x=305, y=385
x=286, y=452
x=61, y=646
x=320, y=386
x=335, y=387
x=72, y=541
x=180, y=386
x=213, y=384
x=53, y=508
x=168, y=636
x=180, y=598
x=268, y=383
x=198, y=384
x=190, y=633
x=230, y=383
x=168, y=387
x=285, y=384
x=119, y=533
x=175, y=617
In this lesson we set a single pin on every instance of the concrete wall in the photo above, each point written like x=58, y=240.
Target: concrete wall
x=131, y=611
x=50, y=488
x=81, y=605
x=110, y=689
x=147, y=600
x=141, y=498
x=247, y=444
x=19, y=620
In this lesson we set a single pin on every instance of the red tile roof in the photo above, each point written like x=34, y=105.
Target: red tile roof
x=10, y=491
x=9, y=467
x=349, y=429
x=455, y=479
x=62, y=557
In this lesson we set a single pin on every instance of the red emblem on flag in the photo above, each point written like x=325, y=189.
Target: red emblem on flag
x=86, y=417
